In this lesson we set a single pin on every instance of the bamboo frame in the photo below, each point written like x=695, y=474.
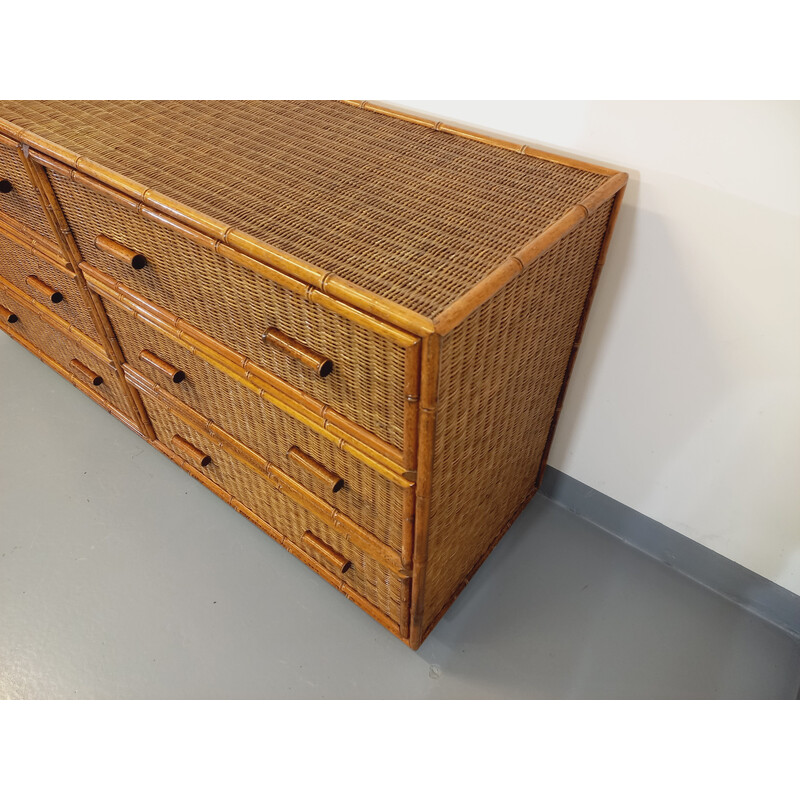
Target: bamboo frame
x=70, y=251
x=428, y=399
x=411, y=466
x=579, y=333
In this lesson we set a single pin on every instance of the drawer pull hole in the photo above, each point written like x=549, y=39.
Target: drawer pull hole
x=53, y=295
x=190, y=452
x=8, y=316
x=90, y=375
x=331, y=480
x=120, y=252
x=5, y=186
x=337, y=559
x=305, y=355
x=173, y=373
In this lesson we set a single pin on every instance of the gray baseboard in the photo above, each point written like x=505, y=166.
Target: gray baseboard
x=747, y=589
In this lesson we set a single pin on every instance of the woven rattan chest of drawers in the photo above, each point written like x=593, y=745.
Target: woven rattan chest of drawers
x=354, y=325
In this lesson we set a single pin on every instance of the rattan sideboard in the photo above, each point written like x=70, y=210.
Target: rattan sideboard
x=354, y=325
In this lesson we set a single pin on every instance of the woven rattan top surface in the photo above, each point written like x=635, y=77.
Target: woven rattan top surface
x=415, y=215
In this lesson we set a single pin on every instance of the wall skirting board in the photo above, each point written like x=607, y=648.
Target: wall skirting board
x=747, y=589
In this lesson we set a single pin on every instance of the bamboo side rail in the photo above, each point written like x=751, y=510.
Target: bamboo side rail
x=325, y=512
x=376, y=453
x=282, y=540
x=69, y=246
x=427, y=424
x=465, y=133
x=249, y=251
x=579, y=334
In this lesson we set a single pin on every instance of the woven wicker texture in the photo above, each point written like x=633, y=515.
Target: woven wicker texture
x=61, y=349
x=16, y=264
x=415, y=215
x=501, y=372
x=370, y=579
x=367, y=497
x=236, y=306
x=21, y=202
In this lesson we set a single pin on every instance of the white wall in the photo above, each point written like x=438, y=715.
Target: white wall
x=685, y=399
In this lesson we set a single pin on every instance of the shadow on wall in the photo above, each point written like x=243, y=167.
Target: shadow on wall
x=682, y=403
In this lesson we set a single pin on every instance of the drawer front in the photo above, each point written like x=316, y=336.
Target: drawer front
x=238, y=307
x=93, y=372
x=46, y=284
x=18, y=198
x=369, y=498
x=370, y=579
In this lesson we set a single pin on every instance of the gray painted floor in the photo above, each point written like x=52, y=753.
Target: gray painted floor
x=121, y=577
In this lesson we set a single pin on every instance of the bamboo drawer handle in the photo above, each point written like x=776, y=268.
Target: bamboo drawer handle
x=53, y=295
x=8, y=316
x=331, y=480
x=90, y=375
x=337, y=559
x=5, y=186
x=173, y=373
x=120, y=252
x=189, y=451
x=305, y=355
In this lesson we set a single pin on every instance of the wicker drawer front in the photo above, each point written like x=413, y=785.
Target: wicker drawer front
x=92, y=372
x=370, y=579
x=46, y=284
x=237, y=307
x=18, y=198
x=369, y=498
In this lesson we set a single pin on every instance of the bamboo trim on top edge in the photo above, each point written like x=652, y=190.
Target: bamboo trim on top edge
x=336, y=287
x=485, y=289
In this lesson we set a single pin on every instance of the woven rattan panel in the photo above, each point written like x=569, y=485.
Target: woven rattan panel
x=415, y=215
x=17, y=266
x=500, y=376
x=367, y=497
x=21, y=201
x=367, y=577
x=38, y=331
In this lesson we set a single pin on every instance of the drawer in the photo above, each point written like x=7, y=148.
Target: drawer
x=18, y=198
x=94, y=374
x=375, y=501
x=47, y=284
x=277, y=328
x=370, y=579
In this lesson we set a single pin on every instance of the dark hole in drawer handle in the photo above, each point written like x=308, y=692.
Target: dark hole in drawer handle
x=8, y=316
x=5, y=186
x=173, y=373
x=90, y=375
x=120, y=252
x=189, y=451
x=330, y=479
x=337, y=559
x=53, y=295
x=305, y=355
